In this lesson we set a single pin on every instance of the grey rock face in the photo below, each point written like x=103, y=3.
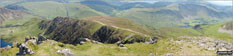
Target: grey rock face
x=41, y=38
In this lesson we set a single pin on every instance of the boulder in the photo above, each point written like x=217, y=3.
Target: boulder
x=211, y=48
x=168, y=54
x=33, y=40
x=65, y=51
x=151, y=40
x=121, y=46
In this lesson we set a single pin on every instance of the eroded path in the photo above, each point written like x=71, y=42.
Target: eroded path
x=121, y=28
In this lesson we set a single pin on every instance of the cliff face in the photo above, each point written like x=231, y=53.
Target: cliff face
x=72, y=31
x=105, y=34
x=66, y=30
x=6, y=14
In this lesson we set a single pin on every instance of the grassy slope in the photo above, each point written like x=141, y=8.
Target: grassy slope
x=18, y=21
x=51, y=9
x=78, y=10
x=122, y=23
x=137, y=49
x=46, y=9
x=30, y=28
x=176, y=32
x=162, y=47
x=151, y=19
x=212, y=31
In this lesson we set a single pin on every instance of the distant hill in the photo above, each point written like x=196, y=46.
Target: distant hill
x=51, y=9
x=162, y=14
x=181, y=15
x=6, y=14
x=158, y=14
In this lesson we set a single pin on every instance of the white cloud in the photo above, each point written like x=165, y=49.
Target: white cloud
x=222, y=3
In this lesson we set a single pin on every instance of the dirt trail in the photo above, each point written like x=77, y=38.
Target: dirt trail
x=122, y=28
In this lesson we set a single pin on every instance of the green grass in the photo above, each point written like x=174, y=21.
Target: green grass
x=51, y=9
x=18, y=21
x=30, y=28
x=176, y=32
x=212, y=31
x=122, y=23
x=48, y=9
x=141, y=16
x=50, y=48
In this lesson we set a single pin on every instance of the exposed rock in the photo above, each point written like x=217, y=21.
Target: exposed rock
x=222, y=49
x=67, y=30
x=65, y=51
x=151, y=41
x=41, y=38
x=33, y=40
x=121, y=46
x=72, y=31
x=96, y=42
x=104, y=35
x=151, y=54
x=168, y=54
x=23, y=50
x=211, y=48
x=82, y=42
x=210, y=44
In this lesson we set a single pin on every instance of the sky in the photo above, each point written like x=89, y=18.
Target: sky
x=222, y=3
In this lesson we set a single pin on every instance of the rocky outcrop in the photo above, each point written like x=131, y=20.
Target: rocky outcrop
x=67, y=30
x=23, y=50
x=72, y=31
x=41, y=38
x=105, y=35
x=209, y=43
x=65, y=52
x=152, y=40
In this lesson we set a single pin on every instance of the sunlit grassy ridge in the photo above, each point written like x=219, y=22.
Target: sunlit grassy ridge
x=177, y=32
x=122, y=23
x=17, y=33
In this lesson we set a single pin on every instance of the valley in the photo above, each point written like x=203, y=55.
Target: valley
x=114, y=28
